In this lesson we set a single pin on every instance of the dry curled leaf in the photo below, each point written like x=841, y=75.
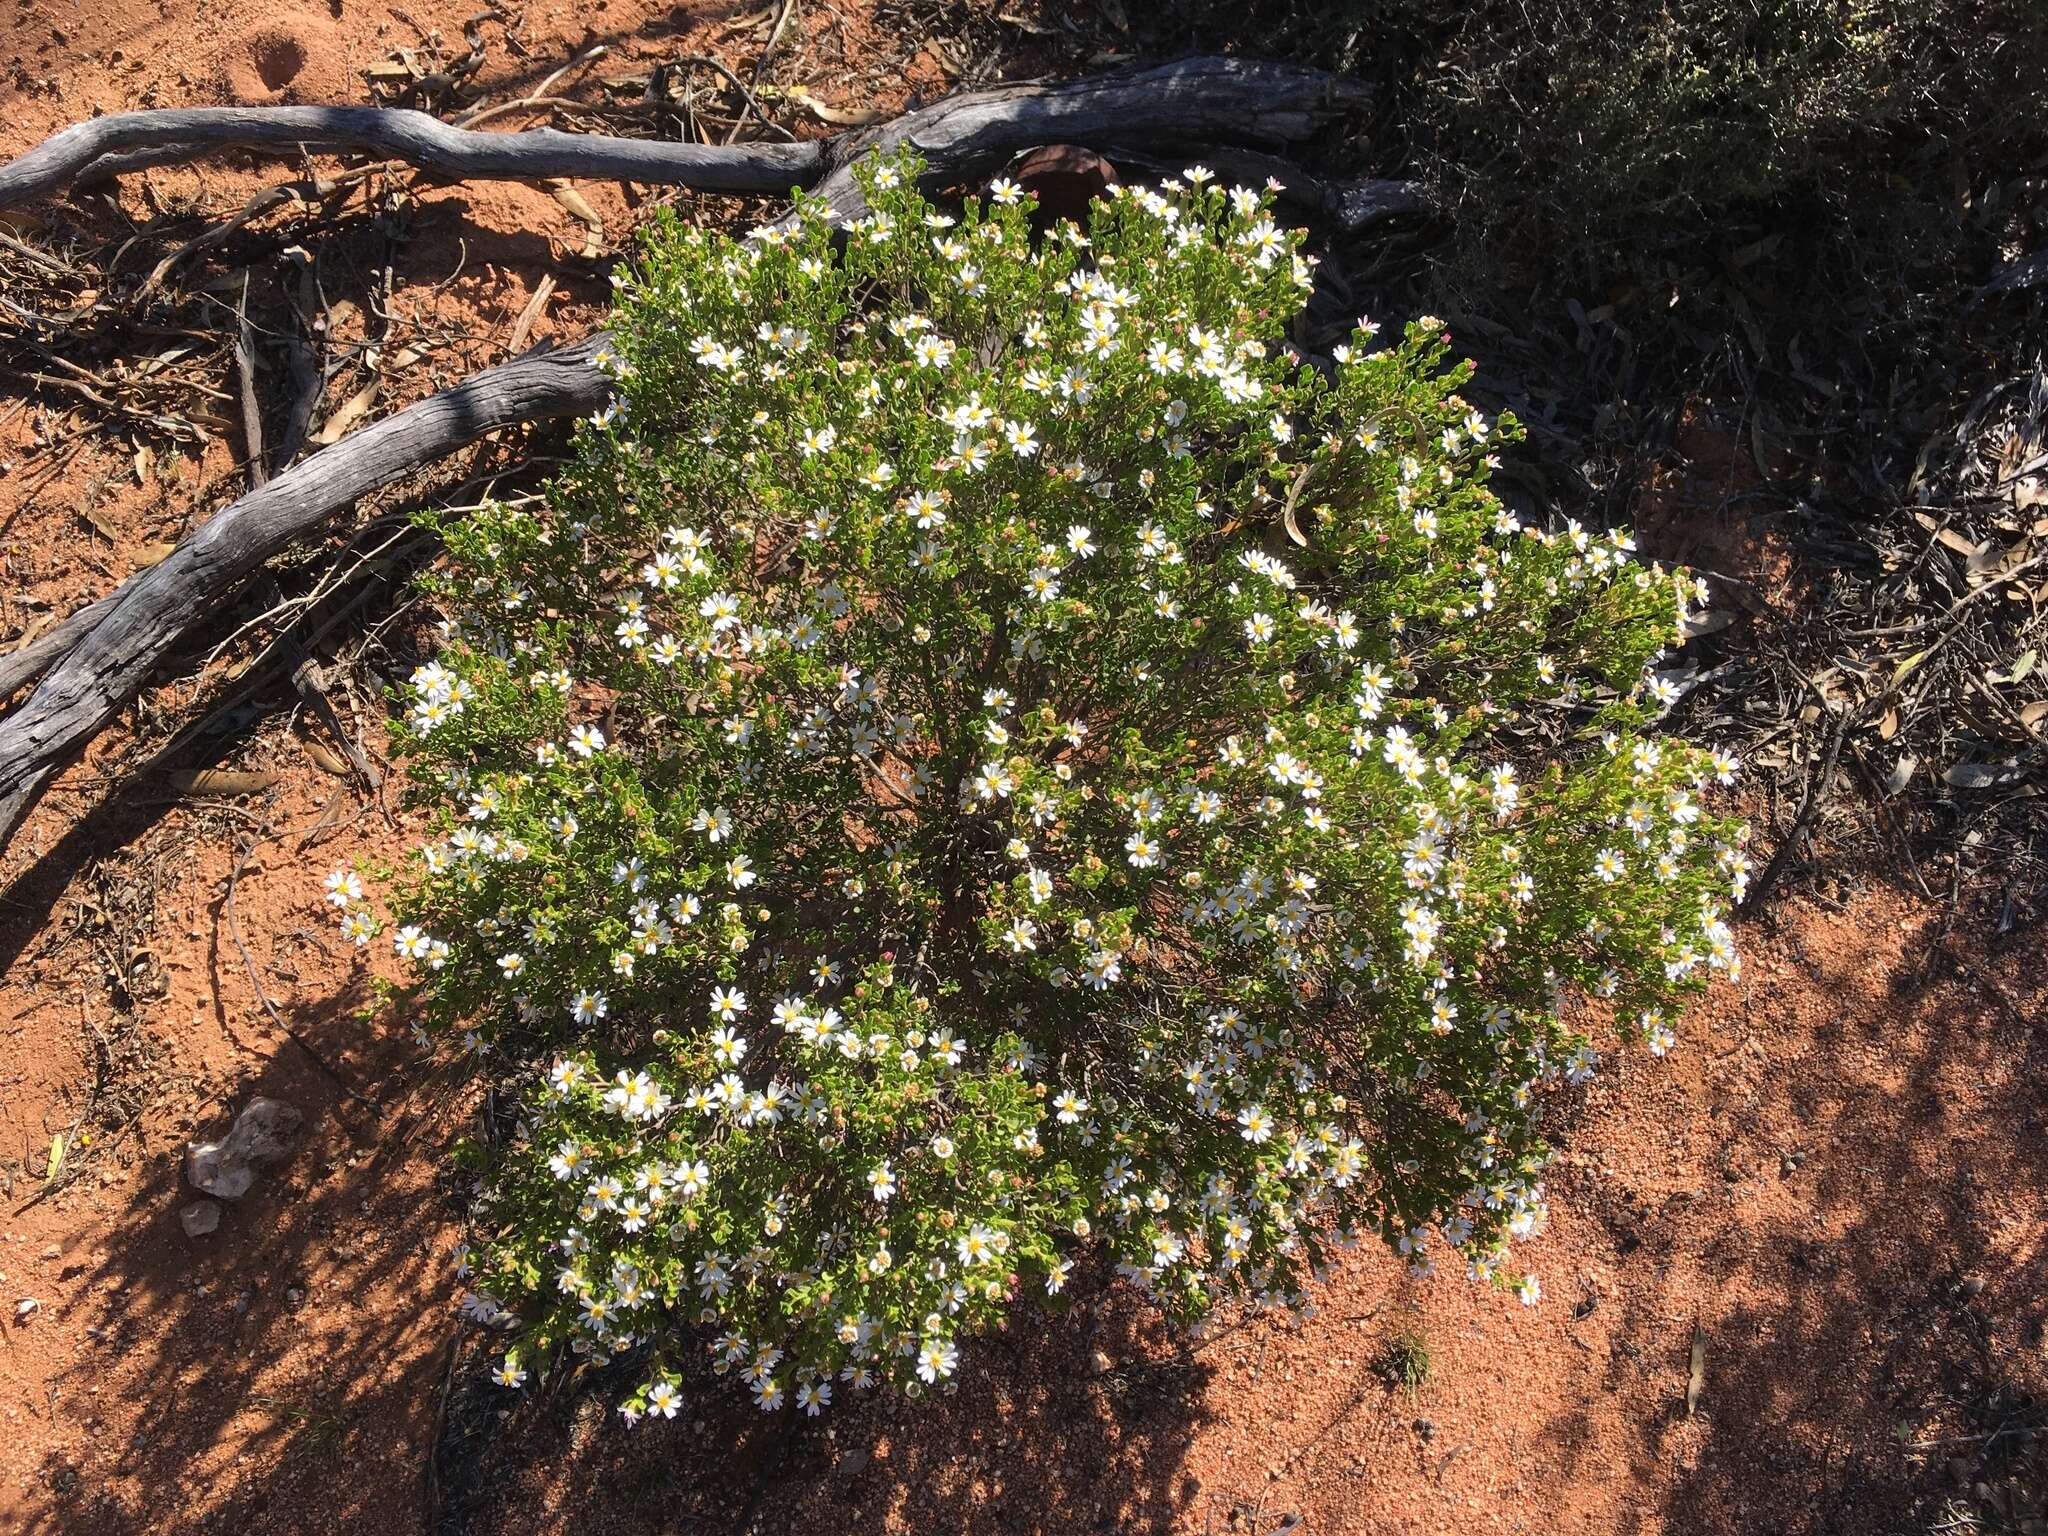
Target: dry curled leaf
x=222, y=781
x=825, y=112
x=1978, y=775
x=346, y=415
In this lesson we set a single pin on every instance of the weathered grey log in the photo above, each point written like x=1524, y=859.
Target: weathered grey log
x=152, y=609
x=1189, y=101
x=89, y=150
x=1201, y=100
x=1351, y=204
x=25, y=663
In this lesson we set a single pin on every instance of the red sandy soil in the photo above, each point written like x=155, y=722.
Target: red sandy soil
x=1836, y=1184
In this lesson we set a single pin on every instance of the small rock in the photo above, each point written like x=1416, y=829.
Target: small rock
x=1101, y=1362
x=26, y=1308
x=54, y=1251
x=1425, y=1428
x=1974, y=1286
x=261, y=1135
x=201, y=1217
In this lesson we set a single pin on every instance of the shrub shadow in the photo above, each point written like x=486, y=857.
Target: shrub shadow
x=1044, y=1433
x=1870, y=1311
x=281, y=1373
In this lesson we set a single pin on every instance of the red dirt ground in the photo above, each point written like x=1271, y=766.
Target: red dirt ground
x=1836, y=1185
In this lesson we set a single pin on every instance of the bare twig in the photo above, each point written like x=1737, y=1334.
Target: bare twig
x=1816, y=787
x=245, y=366
x=540, y=95
x=523, y=326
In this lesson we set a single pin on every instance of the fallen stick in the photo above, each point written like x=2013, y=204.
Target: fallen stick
x=1200, y=101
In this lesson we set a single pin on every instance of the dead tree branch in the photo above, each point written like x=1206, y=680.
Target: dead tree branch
x=104, y=146
x=149, y=613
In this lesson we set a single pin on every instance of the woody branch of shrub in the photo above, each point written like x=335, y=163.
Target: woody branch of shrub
x=1235, y=113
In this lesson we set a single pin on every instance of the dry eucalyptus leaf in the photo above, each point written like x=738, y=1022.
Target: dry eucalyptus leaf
x=1978, y=775
x=1901, y=774
x=825, y=112
x=222, y=781
x=1950, y=539
x=346, y=415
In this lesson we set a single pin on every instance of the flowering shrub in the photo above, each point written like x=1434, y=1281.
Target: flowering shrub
x=986, y=752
